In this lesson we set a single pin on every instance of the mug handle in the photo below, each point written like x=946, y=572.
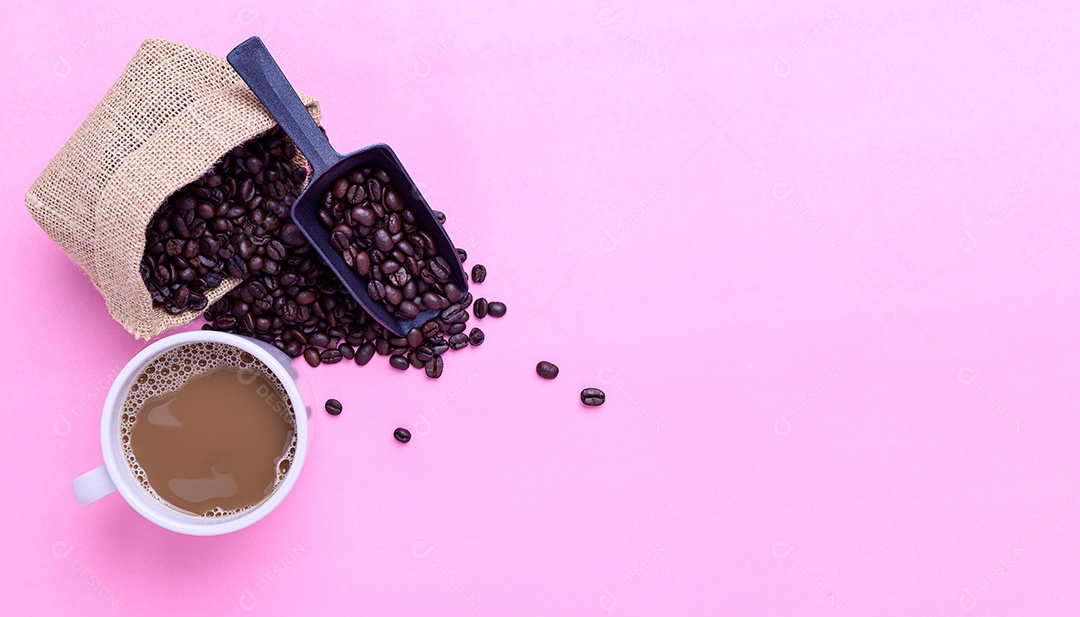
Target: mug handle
x=92, y=485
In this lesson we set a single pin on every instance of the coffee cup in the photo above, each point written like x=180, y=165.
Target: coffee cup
x=121, y=473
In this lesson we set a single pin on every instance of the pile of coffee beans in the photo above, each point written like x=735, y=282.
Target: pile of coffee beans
x=235, y=222
x=377, y=236
x=227, y=223
x=304, y=310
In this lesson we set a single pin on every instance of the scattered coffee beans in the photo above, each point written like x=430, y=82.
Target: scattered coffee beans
x=333, y=406
x=593, y=397
x=402, y=434
x=496, y=309
x=547, y=370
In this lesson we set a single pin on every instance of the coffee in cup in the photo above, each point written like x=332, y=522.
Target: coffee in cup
x=208, y=429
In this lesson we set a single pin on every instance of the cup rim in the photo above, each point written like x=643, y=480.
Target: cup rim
x=148, y=506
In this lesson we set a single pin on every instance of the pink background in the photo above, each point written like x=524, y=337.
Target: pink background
x=823, y=258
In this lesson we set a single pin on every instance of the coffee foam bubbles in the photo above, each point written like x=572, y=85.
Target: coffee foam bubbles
x=168, y=372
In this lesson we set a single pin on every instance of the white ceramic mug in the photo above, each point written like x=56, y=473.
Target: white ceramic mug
x=116, y=475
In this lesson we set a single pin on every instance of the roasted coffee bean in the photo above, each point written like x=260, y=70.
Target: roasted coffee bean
x=452, y=292
x=365, y=353
x=402, y=434
x=496, y=309
x=333, y=406
x=455, y=328
x=401, y=363
x=339, y=241
x=355, y=194
x=424, y=353
x=459, y=341
x=393, y=295
x=415, y=338
x=408, y=309
x=430, y=329
x=462, y=255
x=312, y=356
x=431, y=300
x=392, y=201
x=339, y=187
x=382, y=240
x=480, y=308
x=476, y=337
x=346, y=350
x=290, y=234
x=376, y=290
x=319, y=339
x=479, y=273
x=414, y=360
x=592, y=397
x=330, y=356
x=547, y=370
x=439, y=269
x=434, y=367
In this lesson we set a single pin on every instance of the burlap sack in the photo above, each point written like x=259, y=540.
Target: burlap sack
x=172, y=114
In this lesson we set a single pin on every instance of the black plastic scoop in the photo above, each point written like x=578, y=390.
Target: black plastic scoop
x=258, y=69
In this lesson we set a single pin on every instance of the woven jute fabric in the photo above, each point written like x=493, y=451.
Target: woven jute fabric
x=172, y=114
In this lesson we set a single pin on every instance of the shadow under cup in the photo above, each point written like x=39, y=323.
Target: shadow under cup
x=122, y=474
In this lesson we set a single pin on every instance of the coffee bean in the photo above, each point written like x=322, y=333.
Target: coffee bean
x=592, y=397
x=392, y=201
x=440, y=269
x=364, y=354
x=496, y=309
x=333, y=406
x=376, y=290
x=402, y=434
x=330, y=356
x=476, y=337
x=479, y=273
x=434, y=367
x=355, y=194
x=462, y=255
x=480, y=308
x=459, y=341
x=382, y=240
x=415, y=338
x=290, y=234
x=399, y=362
x=312, y=356
x=452, y=292
x=547, y=370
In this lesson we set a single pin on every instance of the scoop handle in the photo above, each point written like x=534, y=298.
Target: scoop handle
x=253, y=62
